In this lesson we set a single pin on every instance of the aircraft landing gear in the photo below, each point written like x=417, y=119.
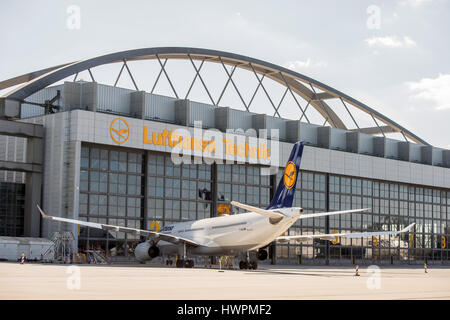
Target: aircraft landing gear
x=248, y=265
x=185, y=263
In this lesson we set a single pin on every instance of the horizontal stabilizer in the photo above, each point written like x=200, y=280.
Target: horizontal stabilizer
x=334, y=236
x=322, y=214
x=267, y=213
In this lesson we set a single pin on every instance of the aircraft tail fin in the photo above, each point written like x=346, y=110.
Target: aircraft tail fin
x=284, y=196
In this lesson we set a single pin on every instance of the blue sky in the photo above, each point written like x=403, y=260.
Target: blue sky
x=392, y=55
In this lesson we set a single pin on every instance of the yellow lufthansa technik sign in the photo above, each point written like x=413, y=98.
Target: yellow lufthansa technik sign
x=120, y=133
x=119, y=130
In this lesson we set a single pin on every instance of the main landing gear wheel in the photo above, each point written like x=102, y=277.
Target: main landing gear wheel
x=246, y=265
x=185, y=263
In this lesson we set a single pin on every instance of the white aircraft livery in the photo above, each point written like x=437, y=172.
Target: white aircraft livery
x=234, y=235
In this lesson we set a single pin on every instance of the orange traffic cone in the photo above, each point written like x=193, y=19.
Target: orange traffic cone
x=425, y=265
x=357, y=271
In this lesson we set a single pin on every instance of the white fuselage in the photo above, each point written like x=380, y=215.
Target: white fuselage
x=229, y=234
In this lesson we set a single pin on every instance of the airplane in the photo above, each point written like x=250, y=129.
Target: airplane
x=233, y=235
x=121, y=132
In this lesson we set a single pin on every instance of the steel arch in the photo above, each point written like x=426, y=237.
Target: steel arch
x=35, y=81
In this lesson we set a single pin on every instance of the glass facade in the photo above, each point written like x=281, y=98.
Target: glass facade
x=12, y=200
x=177, y=192
x=146, y=190
x=111, y=191
x=392, y=207
x=242, y=183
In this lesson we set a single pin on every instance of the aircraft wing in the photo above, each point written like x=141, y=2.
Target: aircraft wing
x=267, y=213
x=333, y=236
x=154, y=235
x=322, y=214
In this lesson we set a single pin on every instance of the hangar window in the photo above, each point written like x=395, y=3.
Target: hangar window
x=172, y=210
x=84, y=161
x=367, y=187
x=356, y=186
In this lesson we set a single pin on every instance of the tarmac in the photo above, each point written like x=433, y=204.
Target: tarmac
x=123, y=282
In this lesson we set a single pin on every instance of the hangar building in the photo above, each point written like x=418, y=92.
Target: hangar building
x=97, y=152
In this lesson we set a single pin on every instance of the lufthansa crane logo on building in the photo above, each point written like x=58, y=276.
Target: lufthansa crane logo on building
x=119, y=130
x=290, y=174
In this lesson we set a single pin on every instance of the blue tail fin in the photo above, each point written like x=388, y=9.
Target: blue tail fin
x=284, y=196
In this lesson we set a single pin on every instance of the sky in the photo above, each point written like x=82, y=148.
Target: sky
x=391, y=55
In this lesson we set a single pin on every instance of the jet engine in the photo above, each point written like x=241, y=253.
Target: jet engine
x=262, y=254
x=146, y=251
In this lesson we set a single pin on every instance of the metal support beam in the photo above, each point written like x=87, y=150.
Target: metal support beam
x=197, y=73
x=375, y=130
x=323, y=107
x=226, y=85
x=167, y=76
x=304, y=113
x=375, y=120
x=129, y=72
x=268, y=96
x=90, y=73
x=159, y=75
x=349, y=112
x=281, y=101
x=295, y=99
x=234, y=85
x=404, y=136
x=120, y=73
x=256, y=90
x=324, y=96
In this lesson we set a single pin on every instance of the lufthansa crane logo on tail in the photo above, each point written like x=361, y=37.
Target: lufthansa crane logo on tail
x=119, y=130
x=290, y=175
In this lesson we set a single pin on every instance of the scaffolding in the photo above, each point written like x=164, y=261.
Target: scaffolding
x=96, y=257
x=63, y=246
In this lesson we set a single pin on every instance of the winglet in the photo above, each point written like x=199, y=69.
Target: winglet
x=42, y=213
